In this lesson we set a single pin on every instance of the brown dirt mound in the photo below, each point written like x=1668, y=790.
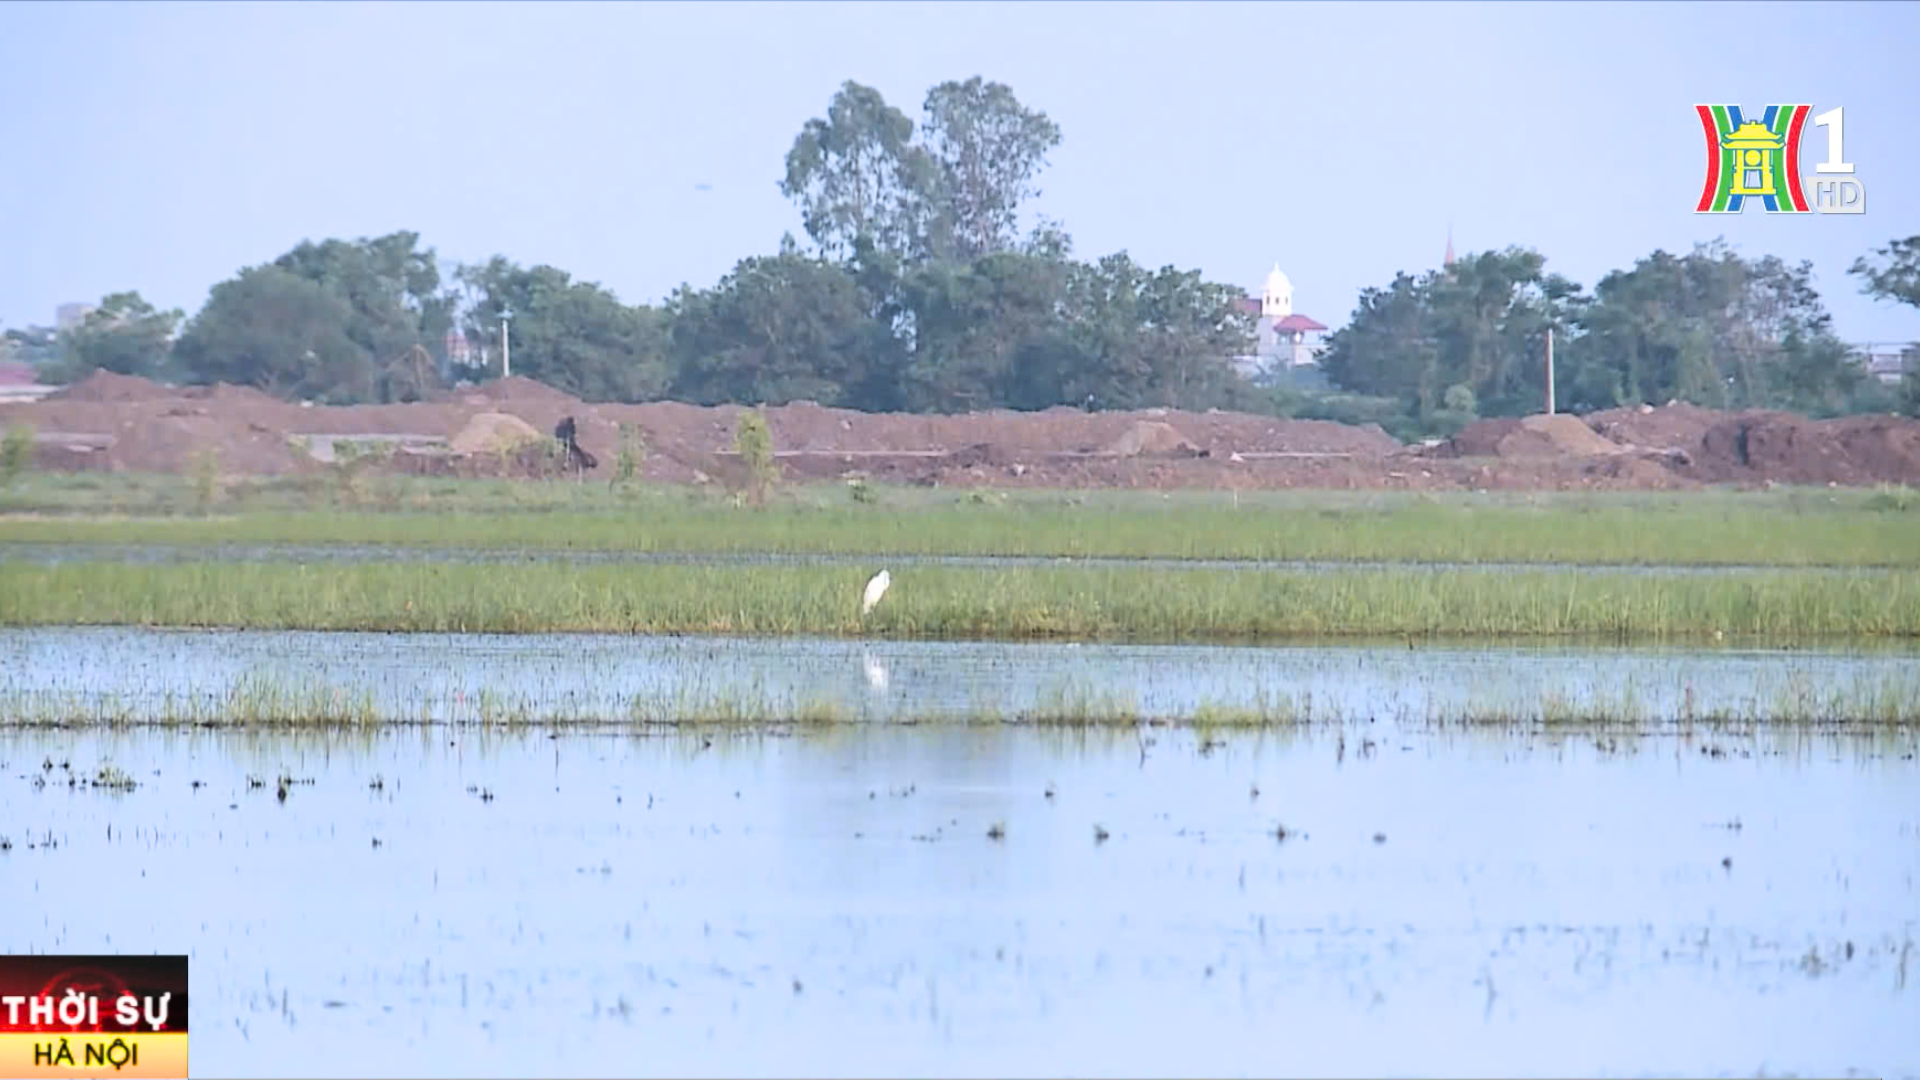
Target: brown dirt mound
x=1153, y=438
x=227, y=394
x=1558, y=434
x=1635, y=472
x=135, y=424
x=1537, y=436
x=519, y=389
x=1794, y=450
x=171, y=440
x=107, y=386
x=492, y=432
x=1676, y=425
x=1480, y=439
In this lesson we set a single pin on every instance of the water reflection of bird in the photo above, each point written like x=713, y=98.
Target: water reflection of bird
x=876, y=588
x=876, y=672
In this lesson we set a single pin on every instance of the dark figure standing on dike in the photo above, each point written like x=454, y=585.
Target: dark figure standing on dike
x=577, y=456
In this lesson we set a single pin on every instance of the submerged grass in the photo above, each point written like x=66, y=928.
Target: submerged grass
x=1085, y=603
x=1799, y=528
x=1872, y=700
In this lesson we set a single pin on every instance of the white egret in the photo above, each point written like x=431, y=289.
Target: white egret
x=876, y=589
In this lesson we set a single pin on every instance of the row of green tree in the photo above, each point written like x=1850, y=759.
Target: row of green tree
x=919, y=292
x=1709, y=327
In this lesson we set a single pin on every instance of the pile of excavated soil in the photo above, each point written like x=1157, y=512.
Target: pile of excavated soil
x=1791, y=449
x=170, y=438
x=231, y=396
x=144, y=426
x=1634, y=472
x=1538, y=436
x=492, y=432
x=107, y=386
x=805, y=426
x=1556, y=434
x=1676, y=425
x=518, y=389
x=1153, y=438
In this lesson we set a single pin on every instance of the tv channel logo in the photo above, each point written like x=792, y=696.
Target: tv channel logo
x=1760, y=160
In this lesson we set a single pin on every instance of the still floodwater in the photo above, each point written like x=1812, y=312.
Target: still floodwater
x=134, y=674
x=880, y=899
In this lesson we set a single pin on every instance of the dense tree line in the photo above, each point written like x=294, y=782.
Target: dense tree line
x=920, y=292
x=1709, y=327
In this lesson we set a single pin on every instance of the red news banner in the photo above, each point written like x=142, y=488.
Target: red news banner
x=123, y=1016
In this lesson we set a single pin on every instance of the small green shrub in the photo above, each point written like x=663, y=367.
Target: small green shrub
x=633, y=455
x=754, y=443
x=1460, y=398
x=206, y=478
x=1898, y=498
x=16, y=453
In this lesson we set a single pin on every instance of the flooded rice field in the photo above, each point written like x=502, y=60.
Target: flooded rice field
x=135, y=675
x=1359, y=886
x=888, y=900
x=52, y=554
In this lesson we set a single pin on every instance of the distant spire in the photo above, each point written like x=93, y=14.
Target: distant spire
x=1449, y=258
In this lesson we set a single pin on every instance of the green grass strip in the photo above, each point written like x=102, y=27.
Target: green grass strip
x=1716, y=532
x=1081, y=603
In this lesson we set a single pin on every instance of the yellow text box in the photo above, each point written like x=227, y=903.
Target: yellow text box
x=92, y=1053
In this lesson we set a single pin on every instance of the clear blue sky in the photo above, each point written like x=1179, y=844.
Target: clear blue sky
x=162, y=146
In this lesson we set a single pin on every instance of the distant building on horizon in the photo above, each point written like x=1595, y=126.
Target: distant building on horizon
x=1890, y=362
x=70, y=316
x=1287, y=338
x=456, y=351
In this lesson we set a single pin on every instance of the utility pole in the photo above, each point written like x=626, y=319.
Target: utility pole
x=506, y=350
x=1549, y=371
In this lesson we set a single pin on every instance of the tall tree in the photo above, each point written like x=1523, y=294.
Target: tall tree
x=1712, y=328
x=857, y=174
x=1644, y=341
x=777, y=329
x=988, y=148
x=1893, y=273
x=1708, y=327
x=976, y=332
x=1188, y=327
x=1388, y=348
x=1029, y=331
x=573, y=335
x=391, y=283
x=124, y=334
x=274, y=330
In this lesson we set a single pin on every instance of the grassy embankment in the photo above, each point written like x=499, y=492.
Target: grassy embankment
x=963, y=603
x=1782, y=528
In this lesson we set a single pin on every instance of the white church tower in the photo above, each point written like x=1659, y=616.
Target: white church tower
x=1276, y=303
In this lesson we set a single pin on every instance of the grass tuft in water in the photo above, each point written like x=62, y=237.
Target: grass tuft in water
x=1884, y=700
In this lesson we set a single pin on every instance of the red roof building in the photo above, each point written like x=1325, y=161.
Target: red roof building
x=1286, y=338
